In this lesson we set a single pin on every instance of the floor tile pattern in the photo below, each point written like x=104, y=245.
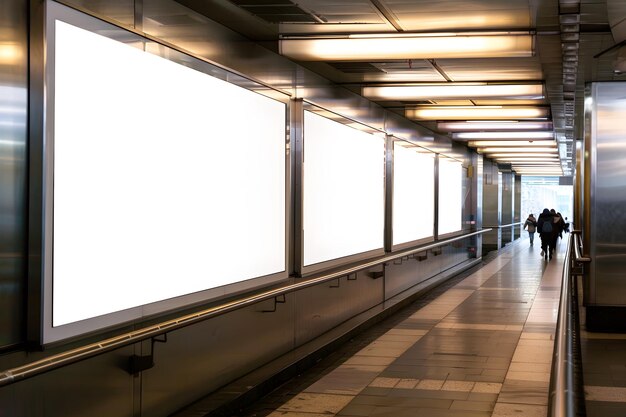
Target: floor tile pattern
x=478, y=346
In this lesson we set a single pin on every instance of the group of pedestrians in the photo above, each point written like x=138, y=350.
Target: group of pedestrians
x=550, y=226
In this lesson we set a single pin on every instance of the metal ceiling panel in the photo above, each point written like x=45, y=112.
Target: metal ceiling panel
x=428, y=15
x=347, y=11
x=494, y=69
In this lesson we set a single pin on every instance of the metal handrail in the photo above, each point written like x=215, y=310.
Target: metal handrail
x=578, y=257
x=505, y=225
x=565, y=399
x=75, y=355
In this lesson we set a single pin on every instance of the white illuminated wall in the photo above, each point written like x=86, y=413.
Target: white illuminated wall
x=344, y=189
x=167, y=181
x=450, y=196
x=413, y=194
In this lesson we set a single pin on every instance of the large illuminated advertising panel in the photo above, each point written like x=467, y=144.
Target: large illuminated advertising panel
x=344, y=190
x=413, y=193
x=164, y=186
x=450, y=196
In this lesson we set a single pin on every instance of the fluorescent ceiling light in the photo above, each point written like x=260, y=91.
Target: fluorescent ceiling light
x=491, y=150
x=500, y=125
x=540, y=173
x=476, y=112
x=511, y=143
x=529, y=161
x=377, y=47
x=519, y=154
x=445, y=91
x=503, y=135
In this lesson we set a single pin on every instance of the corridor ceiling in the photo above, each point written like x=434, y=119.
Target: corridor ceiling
x=572, y=44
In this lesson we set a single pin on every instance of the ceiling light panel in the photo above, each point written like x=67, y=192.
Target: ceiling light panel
x=376, y=47
x=491, y=150
x=476, y=113
x=511, y=143
x=499, y=125
x=518, y=154
x=503, y=135
x=530, y=161
x=407, y=92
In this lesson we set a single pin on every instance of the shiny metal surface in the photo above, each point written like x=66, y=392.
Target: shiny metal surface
x=63, y=359
x=197, y=360
x=99, y=388
x=566, y=398
x=121, y=11
x=13, y=169
x=517, y=206
x=577, y=219
x=477, y=195
x=506, y=218
x=607, y=246
x=406, y=272
x=492, y=203
x=336, y=301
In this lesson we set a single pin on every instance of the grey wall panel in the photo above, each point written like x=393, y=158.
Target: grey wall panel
x=608, y=194
x=199, y=359
x=121, y=11
x=507, y=206
x=517, y=206
x=99, y=387
x=13, y=168
x=320, y=308
x=491, y=205
x=477, y=195
x=404, y=274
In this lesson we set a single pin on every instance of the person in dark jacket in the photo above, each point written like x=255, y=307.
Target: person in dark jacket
x=547, y=245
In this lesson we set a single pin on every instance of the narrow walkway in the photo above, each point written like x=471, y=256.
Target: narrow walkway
x=479, y=346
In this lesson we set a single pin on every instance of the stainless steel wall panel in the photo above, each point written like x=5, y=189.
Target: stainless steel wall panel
x=577, y=218
x=320, y=308
x=197, y=35
x=492, y=202
x=608, y=194
x=13, y=168
x=199, y=359
x=507, y=206
x=402, y=128
x=99, y=387
x=402, y=275
x=120, y=11
x=517, y=206
x=477, y=195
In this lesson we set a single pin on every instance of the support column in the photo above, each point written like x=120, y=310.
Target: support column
x=517, y=207
x=492, y=206
x=507, y=206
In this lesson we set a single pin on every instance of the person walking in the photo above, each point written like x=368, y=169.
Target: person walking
x=545, y=227
x=531, y=225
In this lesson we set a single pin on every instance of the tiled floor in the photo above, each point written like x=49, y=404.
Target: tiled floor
x=478, y=346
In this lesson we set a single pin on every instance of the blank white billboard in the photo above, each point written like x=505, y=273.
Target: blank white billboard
x=167, y=181
x=450, y=195
x=343, y=190
x=413, y=193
